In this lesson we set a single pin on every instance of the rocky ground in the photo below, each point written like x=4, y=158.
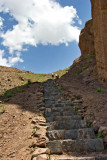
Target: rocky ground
x=20, y=119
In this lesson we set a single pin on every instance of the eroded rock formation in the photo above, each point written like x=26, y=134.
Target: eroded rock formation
x=93, y=38
x=99, y=15
x=86, y=39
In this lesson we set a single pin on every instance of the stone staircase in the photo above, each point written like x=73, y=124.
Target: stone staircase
x=67, y=132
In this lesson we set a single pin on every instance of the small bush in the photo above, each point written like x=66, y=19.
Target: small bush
x=29, y=81
x=100, y=90
x=78, y=71
x=76, y=109
x=85, y=67
x=3, y=110
x=8, y=94
x=100, y=134
x=32, y=150
x=89, y=56
x=38, y=89
x=12, y=92
x=1, y=105
x=60, y=88
x=35, y=130
x=88, y=123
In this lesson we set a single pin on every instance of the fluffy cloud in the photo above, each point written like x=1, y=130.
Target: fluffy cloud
x=11, y=60
x=1, y=22
x=3, y=61
x=43, y=21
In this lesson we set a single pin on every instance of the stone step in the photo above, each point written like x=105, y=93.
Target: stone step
x=82, y=145
x=61, y=105
x=52, y=89
x=52, y=99
x=47, y=95
x=65, y=157
x=63, y=118
x=53, y=103
x=60, y=109
x=68, y=125
x=65, y=113
x=74, y=134
x=82, y=157
x=57, y=102
x=47, y=98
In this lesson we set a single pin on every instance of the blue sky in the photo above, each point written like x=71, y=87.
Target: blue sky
x=41, y=36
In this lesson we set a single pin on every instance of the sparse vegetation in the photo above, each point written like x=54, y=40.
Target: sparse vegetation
x=32, y=150
x=77, y=96
x=61, y=72
x=100, y=90
x=12, y=92
x=38, y=89
x=72, y=104
x=100, y=134
x=85, y=67
x=35, y=130
x=76, y=109
x=88, y=123
x=1, y=105
x=60, y=88
x=2, y=109
x=78, y=71
x=39, y=102
x=88, y=56
x=32, y=77
x=29, y=81
x=8, y=94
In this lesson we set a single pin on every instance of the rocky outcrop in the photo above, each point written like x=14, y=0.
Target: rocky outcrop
x=93, y=38
x=99, y=16
x=86, y=39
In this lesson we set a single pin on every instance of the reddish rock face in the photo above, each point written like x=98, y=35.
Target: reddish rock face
x=86, y=39
x=99, y=16
x=93, y=38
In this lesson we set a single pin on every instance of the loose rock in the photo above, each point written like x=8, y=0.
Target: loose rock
x=40, y=151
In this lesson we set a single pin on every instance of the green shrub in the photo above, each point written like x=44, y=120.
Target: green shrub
x=78, y=71
x=35, y=130
x=32, y=150
x=100, y=90
x=76, y=109
x=8, y=94
x=88, y=123
x=12, y=92
x=85, y=67
x=29, y=81
x=2, y=110
x=1, y=105
x=89, y=56
x=100, y=134
x=60, y=88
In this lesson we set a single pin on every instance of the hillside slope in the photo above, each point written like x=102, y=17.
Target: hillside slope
x=81, y=84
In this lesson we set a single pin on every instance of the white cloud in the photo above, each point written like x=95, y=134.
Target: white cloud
x=39, y=21
x=3, y=61
x=11, y=60
x=1, y=22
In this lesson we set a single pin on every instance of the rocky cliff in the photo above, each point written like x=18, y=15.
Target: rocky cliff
x=86, y=39
x=93, y=38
